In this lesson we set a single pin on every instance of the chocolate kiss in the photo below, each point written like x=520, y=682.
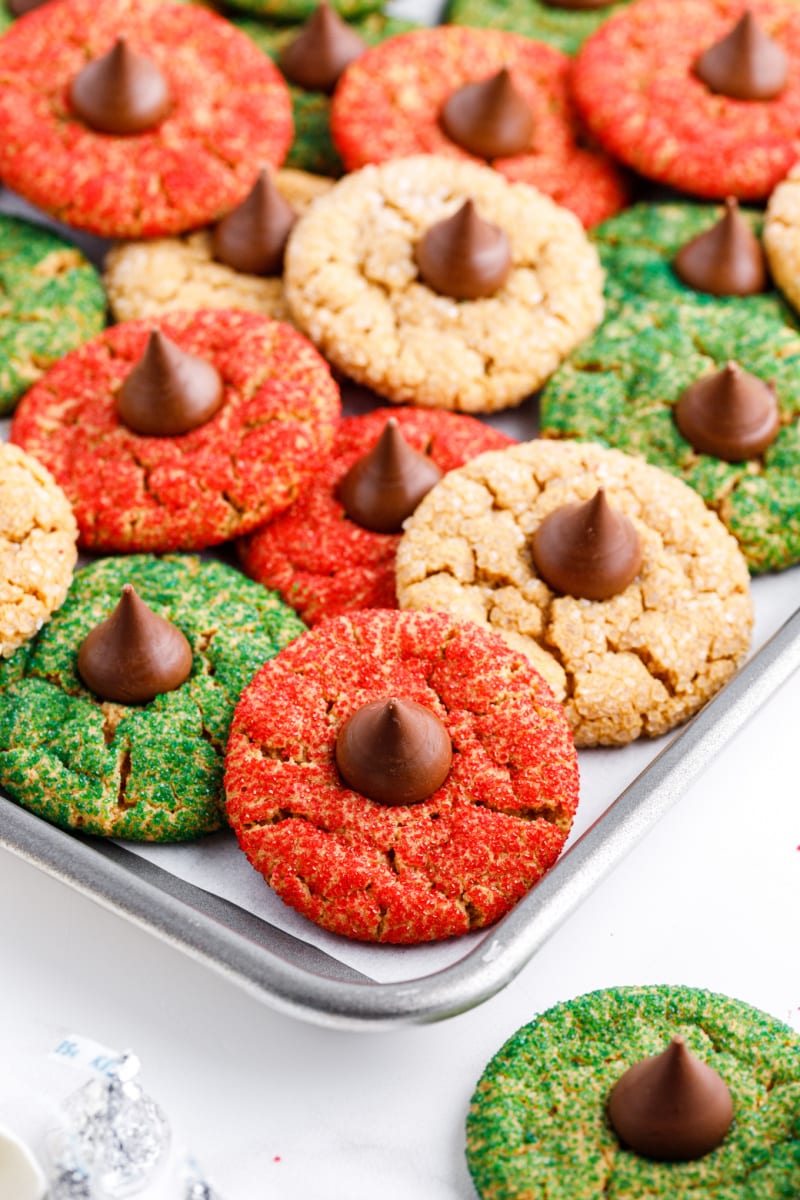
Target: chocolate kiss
x=134, y=655
x=672, y=1107
x=252, y=237
x=120, y=92
x=730, y=414
x=315, y=59
x=491, y=119
x=464, y=256
x=384, y=487
x=394, y=751
x=746, y=64
x=725, y=260
x=169, y=391
x=589, y=550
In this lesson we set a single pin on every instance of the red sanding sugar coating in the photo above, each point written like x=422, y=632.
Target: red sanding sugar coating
x=321, y=562
x=387, y=106
x=231, y=114
x=636, y=88
x=222, y=479
x=456, y=861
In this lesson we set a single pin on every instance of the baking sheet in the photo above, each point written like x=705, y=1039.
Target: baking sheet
x=206, y=898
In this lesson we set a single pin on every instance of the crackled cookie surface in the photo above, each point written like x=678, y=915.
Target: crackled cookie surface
x=353, y=286
x=230, y=113
x=387, y=105
x=782, y=237
x=150, y=772
x=52, y=300
x=564, y=28
x=160, y=275
x=636, y=88
x=322, y=562
x=635, y=664
x=401, y=873
x=621, y=387
x=239, y=469
x=312, y=147
x=537, y=1125
x=37, y=546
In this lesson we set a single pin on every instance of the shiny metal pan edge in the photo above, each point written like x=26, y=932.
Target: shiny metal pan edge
x=303, y=981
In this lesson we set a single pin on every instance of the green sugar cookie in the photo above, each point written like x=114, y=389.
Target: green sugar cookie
x=293, y=11
x=312, y=148
x=537, y=1126
x=564, y=28
x=637, y=248
x=620, y=388
x=149, y=772
x=51, y=300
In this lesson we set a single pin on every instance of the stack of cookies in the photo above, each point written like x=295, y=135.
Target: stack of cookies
x=310, y=202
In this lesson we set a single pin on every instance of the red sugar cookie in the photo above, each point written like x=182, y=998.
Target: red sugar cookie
x=401, y=873
x=387, y=106
x=230, y=114
x=242, y=467
x=635, y=86
x=321, y=562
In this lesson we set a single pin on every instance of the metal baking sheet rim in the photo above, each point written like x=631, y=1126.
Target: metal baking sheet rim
x=300, y=980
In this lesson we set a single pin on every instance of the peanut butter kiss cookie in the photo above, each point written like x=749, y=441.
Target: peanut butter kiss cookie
x=624, y=590
x=476, y=94
x=400, y=777
x=134, y=118
x=161, y=275
x=439, y=283
x=334, y=549
x=702, y=95
x=664, y=1092
x=114, y=719
x=181, y=435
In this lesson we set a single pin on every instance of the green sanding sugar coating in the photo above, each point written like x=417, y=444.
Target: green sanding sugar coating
x=312, y=148
x=637, y=248
x=150, y=772
x=620, y=387
x=537, y=1126
x=51, y=300
x=300, y=10
x=564, y=28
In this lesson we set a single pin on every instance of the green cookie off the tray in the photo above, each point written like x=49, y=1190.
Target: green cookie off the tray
x=313, y=149
x=150, y=772
x=51, y=300
x=564, y=28
x=637, y=248
x=537, y=1127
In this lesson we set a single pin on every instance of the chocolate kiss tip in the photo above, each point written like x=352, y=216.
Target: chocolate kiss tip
x=490, y=118
x=252, y=237
x=324, y=48
x=590, y=551
x=725, y=260
x=169, y=391
x=134, y=655
x=729, y=414
x=672, y=1107
x=384, y=486
x=746, y=64
x=121, y=92
x=394, y=751
x=464, y=256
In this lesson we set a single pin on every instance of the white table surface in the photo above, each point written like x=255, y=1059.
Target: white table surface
x=277, y=1109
